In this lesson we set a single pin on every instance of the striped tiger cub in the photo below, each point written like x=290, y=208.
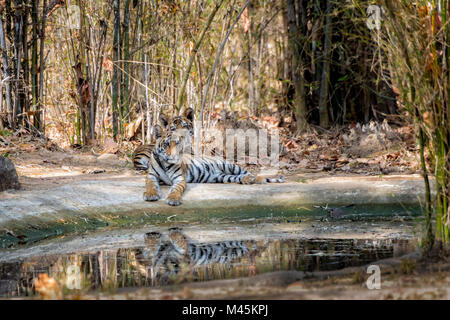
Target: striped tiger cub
x=168, y=255
x=170, y=165
x=143, y=153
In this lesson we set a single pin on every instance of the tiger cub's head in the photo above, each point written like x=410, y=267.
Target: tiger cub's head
x=183, y=125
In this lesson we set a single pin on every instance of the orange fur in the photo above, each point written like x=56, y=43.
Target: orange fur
x=177, y=191
x=260, y=180
x=250, y=179
x=151, y=192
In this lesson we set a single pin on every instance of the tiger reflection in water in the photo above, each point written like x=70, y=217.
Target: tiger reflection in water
x=164, y=256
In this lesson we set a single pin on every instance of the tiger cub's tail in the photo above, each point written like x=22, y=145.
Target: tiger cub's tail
x=262, y=180
x=275, y=180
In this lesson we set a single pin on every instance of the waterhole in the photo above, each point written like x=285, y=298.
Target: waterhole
x=171, y=258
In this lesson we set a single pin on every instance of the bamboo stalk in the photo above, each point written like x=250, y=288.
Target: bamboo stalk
x=325, y=78
x=147, y=104
x=197, y=44
x=41, y=69
x=124, y=88
x=116, y=72
x=219, y=53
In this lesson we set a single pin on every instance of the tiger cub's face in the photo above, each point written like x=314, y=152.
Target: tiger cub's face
x=174, y=136
x=169, y=147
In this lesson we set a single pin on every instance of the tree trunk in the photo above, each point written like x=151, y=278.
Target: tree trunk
x=34, y=65
x=325, y=79
x=297, y=67
x=6, y=74
x=147, y=104
x=124, y=88
x=26, y=66
x=18, y=10
x=116, y=72
x=250, y=66
x=83, y=74
x=41, y=68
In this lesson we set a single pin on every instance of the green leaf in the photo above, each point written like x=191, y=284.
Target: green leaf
x=343, y=78
x=5, y=133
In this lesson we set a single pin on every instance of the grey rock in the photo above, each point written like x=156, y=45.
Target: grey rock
x=8, y=175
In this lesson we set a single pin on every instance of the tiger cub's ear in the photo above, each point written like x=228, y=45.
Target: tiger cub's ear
x=158, y=131
x=164, y=120
x=189, y=114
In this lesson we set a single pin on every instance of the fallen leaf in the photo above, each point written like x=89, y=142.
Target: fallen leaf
x=245, y=21
x=108, y=64
x=47, y=287
x=132, y=127
x=291, y=145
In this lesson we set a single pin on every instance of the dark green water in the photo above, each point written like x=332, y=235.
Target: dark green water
x=245, y=215
x=163, y=265
x=172, y=261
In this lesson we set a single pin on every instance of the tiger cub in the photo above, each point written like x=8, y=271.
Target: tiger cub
x=170, y=165
x=143, y=153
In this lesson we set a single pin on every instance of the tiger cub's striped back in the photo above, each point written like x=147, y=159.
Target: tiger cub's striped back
x=207, y=253
x=142, y=155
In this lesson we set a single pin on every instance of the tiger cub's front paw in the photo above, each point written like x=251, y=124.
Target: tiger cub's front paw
x=149, y=196
x=173, y=200
x=248, y=179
